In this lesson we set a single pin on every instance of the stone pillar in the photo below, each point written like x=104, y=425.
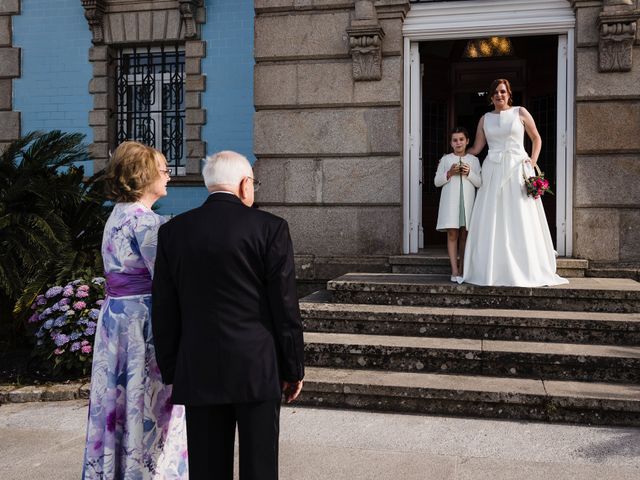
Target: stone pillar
x=607, y=164
x=328, y=136
x=9, y=69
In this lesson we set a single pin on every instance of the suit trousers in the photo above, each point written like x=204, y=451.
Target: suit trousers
x=211, y=438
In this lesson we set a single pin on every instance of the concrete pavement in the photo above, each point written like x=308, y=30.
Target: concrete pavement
x=45, y=440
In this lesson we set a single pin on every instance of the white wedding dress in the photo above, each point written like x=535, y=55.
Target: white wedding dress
x=509, y=243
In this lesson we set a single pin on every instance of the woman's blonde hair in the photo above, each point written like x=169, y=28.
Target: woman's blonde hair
x=132, y=169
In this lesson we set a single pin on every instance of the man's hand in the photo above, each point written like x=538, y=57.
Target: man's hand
x=291, y=390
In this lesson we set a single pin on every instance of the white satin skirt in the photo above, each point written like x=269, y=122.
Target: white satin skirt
x=509, y=243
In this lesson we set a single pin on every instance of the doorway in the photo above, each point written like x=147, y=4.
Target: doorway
x=456, y=75
x=445, y=26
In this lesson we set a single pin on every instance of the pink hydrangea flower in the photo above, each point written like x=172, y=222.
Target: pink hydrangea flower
x=83, y=288
x=68, y=292
x=86, y=349
x=82, y=294
x=79, y=305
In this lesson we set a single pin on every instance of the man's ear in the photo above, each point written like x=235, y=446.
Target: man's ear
x=243, y=188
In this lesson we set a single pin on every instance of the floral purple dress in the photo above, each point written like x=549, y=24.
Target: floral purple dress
x=133, y=431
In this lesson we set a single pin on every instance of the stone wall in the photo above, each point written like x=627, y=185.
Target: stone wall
x=607, y=163
x=9, y=69
x=328, y=146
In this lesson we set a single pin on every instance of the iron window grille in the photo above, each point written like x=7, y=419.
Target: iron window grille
x=150, y=101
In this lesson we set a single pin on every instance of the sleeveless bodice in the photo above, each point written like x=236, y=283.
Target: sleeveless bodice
x=504, y=130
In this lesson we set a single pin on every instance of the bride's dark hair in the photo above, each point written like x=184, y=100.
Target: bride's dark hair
x=494, y=86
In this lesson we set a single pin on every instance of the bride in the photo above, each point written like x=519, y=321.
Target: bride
x=509, y=243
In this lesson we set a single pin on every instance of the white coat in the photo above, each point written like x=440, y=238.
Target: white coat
x=449, y=210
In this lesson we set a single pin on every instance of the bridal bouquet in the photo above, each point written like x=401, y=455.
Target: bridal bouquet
x=536, y=185
x=65, y=320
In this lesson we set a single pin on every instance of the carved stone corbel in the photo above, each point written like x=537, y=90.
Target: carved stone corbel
x=618, y=26
x=188, y=9
x=365, y=42
x=94, y=13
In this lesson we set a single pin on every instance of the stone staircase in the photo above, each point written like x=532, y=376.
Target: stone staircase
x=419, y=343
x=437, y=262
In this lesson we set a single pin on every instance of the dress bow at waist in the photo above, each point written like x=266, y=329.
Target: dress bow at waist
x=510, y=158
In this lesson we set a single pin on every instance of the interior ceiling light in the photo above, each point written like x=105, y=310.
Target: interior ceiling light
x=488, y=47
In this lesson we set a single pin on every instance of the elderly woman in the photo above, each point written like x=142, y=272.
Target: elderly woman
x=509, y=242
x=133, y=430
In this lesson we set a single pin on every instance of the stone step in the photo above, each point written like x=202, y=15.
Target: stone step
x=438, y=263
x=507, y=398
x=613, y=295
x=492, y=324
x=557, y=361
x=621, y=270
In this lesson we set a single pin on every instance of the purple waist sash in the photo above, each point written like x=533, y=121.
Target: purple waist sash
x=124, y=284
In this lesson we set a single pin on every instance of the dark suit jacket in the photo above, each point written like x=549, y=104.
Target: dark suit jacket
x=226, y=321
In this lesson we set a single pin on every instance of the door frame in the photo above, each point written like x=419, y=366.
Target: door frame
x=462, y=20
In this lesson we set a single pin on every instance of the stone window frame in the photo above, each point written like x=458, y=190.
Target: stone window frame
x=116, y=24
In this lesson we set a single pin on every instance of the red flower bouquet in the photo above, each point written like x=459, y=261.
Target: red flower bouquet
x=536, y=185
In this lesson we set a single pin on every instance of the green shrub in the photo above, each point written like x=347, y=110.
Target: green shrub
x=51, y=221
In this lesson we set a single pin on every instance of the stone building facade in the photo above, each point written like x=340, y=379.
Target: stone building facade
x=329, y=143
x=320, y=93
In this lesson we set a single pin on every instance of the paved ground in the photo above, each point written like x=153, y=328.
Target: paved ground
x=45, y=440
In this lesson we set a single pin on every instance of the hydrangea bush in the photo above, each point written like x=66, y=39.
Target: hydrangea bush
x=64, y=321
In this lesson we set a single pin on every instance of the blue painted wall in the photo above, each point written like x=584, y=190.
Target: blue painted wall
x=181, y=199
x=53, y=91
x=229, y=70
x=229, y=95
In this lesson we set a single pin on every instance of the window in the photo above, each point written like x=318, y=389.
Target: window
x=150, y=101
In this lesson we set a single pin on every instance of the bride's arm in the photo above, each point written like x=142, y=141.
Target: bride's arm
x=480, y=141
x=532, y=131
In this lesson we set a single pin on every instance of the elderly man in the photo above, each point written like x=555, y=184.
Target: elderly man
x=226, y=323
